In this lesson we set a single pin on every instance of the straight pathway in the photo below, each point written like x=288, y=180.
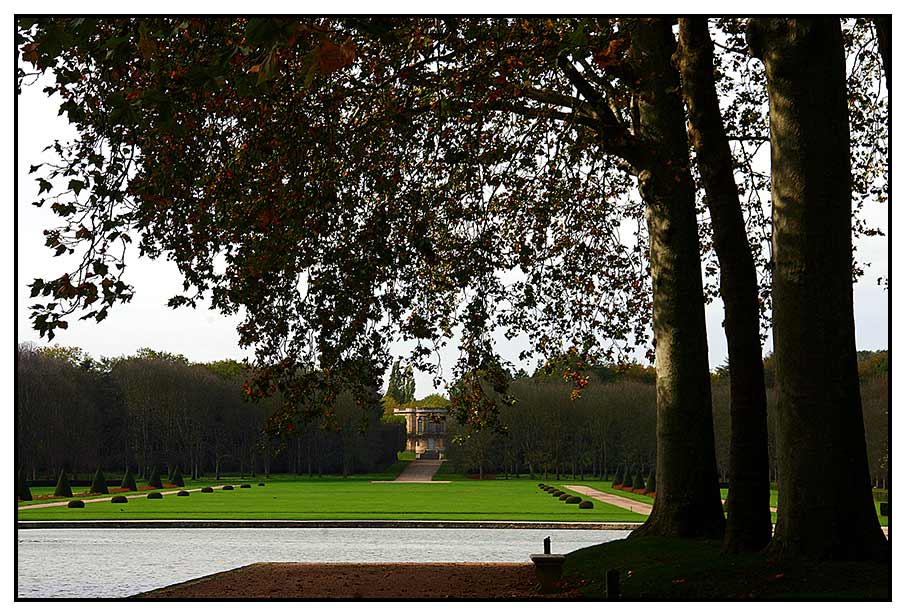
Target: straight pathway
x=418, y=471
x=612, y=499
x=107, y=498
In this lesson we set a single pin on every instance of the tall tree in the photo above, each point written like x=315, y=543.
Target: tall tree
x=825, y=507
x=688, y=502
x=748, y=498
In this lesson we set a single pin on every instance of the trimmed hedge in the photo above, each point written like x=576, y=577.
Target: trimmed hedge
x=129, y=482
x=207, y=489
x=261, y=483
x=182, y=493
x=227, y=487
x=99, y=483
x=564, y=496
x=119, y=499
x=246, y=485
x=76, y=504
x=155, y=495
x=586, y=505
x=557, y=493
x=572, y=500
x=63, y=488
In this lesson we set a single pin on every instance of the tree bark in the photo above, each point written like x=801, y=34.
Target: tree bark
x=748, y=498
x=688, y=503
x=825, y=508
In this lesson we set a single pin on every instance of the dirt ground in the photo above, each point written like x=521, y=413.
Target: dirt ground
x=366, y=581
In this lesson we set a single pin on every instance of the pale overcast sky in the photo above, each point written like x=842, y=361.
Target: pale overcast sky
x=203, y=335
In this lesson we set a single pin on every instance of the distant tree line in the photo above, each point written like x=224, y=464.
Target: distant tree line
x=155, y=409
x=613, y=423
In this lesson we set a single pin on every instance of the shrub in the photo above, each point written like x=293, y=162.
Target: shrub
x=154, y=479
x=586, y=505
x=119, y=499
x=227, y=487
x=572, y=500
x=618, y=477
x=651, y=484
x=246, y=485
x=564, y=496
x=155, y=495
x=207, y=489
x=557, y=493
x=182, y=493
x=177, y=479
x=638, y=483
x=541, y=485
x=22, y=491
x=260, y=483
x=63, y=488
x=76, y=504
x=99, y=483
x=129, y=481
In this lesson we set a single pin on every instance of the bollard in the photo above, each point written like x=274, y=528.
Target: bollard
x=612, y=584
x=547, y=545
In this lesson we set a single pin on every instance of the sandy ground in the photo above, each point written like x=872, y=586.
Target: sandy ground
x=366, y=581
x=613, y=499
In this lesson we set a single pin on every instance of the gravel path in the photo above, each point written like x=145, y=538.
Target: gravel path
x=107, y=498
x=612, y=499
x=418, y=471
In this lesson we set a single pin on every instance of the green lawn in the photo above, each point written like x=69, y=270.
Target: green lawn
x=351, y=499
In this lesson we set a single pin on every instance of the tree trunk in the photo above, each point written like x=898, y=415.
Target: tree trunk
x=688, y=503
x=825, y=507
x=748, y=498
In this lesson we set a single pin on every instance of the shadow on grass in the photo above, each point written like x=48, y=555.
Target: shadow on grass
x=658, y=568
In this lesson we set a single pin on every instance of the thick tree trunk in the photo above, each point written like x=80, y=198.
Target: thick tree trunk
x=688, y=503
x=748, y=498
x=825, y=508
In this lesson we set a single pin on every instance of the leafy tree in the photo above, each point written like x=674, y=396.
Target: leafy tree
x=825, y=508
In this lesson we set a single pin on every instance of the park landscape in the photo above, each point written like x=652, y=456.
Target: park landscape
x=362, y=194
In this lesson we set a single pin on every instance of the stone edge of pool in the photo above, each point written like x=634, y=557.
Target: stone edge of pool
x=52, y=524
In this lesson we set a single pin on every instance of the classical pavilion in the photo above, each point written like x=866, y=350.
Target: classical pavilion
x=425, y=431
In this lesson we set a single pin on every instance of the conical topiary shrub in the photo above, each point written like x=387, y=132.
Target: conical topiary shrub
x=22, y=491
x=154, y=478
x=638, y=483
x=63, y=488
x=618, y=477
x=177, y=479
x=99, y=484
x=650, y=485
x=129, y=481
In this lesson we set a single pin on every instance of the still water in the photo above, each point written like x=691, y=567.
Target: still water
x=90, y=563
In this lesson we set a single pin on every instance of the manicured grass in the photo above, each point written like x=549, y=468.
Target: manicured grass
x=351, y=499
x=657, y=568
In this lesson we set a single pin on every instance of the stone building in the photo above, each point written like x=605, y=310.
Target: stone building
x=425, y=431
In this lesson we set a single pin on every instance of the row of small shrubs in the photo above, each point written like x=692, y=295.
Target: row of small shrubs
x=566, y=497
